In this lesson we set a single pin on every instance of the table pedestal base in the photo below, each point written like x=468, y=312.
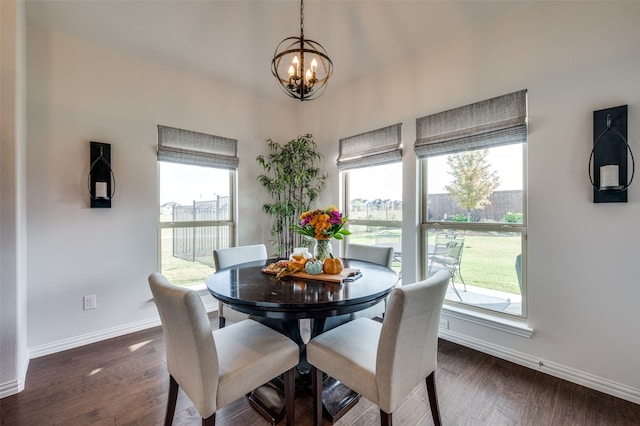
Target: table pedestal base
x=337, y=399
x=268, y=400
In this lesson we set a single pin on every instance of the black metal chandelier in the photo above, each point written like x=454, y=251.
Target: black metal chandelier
x=292, y=55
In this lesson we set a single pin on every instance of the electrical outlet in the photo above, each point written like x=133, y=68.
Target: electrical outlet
x=444, y=324
x=89, y=302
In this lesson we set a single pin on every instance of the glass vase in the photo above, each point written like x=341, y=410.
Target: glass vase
x=322, y=249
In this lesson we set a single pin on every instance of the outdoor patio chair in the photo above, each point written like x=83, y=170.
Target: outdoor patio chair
x=447, y=254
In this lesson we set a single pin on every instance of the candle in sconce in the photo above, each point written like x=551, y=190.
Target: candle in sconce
x=609, y=176
x=101, y=189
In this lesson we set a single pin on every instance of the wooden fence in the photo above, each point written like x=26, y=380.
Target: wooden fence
x=196, y=244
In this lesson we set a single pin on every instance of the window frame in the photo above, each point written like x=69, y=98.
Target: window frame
x=430, y=143
x=195, y=149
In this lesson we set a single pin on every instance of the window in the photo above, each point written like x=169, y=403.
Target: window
x=371, y=170
x=196, y=180
x=473, y=201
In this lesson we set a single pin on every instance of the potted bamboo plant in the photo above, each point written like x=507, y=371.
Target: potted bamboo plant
x=293, y=181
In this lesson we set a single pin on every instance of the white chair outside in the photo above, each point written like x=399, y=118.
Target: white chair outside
x=217, y=368
x=385, y=362
x=227, y=257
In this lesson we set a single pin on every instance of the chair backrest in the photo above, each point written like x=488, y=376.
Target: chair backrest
x=448, y=249
x=408, y=346
x=192, y=358
x=382, y=255
x=226, y=257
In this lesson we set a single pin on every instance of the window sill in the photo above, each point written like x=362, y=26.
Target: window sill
x=517, y=327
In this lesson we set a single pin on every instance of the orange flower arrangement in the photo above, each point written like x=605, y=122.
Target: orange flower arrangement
x=322, y=224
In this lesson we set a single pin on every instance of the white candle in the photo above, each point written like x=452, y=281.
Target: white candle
x=609, y=176
x=101, y=189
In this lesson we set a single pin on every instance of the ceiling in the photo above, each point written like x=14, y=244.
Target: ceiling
x=233, y=41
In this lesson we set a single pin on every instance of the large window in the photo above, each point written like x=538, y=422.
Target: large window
x=372, y=183
x=196, y=180
x=474, y=202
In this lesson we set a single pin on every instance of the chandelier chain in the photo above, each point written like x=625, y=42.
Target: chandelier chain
x=305, y=71
x=302, y=18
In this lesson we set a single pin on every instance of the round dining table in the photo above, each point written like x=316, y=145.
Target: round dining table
x=283, y=302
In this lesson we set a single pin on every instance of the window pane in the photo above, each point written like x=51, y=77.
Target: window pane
x=380, y=235
x=375, y=193
x=481, y=186
x=485, y=266
x=374, y=207
x=187, y=252
x=189, y=193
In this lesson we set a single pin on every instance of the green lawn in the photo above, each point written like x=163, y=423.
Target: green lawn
x=488, y=261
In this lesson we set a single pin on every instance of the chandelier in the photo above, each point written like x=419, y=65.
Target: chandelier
x=291, y=57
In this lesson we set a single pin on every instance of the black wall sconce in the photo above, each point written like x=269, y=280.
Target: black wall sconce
x=609, y=156
x=102, y=182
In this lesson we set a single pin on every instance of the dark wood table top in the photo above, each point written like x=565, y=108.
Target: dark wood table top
x=247, y=289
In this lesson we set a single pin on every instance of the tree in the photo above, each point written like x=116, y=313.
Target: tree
x=293, y=181
x=473, y=182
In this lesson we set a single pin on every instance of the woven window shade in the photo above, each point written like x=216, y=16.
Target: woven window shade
x=497, y=121
x=196, y=149
x=372, y=148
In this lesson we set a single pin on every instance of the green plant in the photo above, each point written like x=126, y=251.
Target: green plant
x=293, y=181
x=512, y=218
x=459, y=218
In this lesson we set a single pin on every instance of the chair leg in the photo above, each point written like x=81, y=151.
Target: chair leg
x=453, y=286
x=462, y=279
x=433, y=398
x=290, y=396
x=171, y=401
x=221, y=322
x=385, y=419
x=316, y=391
x=209, y=421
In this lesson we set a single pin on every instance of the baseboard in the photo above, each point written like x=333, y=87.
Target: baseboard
x=557, y=370
x=85, y=339
x=11, y=388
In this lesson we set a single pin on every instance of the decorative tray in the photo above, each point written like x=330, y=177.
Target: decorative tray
x=347, y=275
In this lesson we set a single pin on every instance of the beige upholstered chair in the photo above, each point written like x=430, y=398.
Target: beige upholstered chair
x=215, y=369
x=381, y=255
x=224, y=258
x=385, y=362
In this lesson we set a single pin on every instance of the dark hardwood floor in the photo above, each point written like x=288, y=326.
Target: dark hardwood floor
x=123, y=381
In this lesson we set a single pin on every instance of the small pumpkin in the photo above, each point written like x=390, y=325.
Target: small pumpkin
x=332, y=265
x=313, y=266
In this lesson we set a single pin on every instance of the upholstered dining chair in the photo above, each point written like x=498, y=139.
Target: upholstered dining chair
x=385, y=362
x=227, y=257
x=217, y=368
x=381, y=255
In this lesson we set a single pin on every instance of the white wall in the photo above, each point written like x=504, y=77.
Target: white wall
x=574, y=58
x=14, y=357
x=80, y=92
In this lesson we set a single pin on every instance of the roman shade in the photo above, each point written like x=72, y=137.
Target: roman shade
x=497, y=121
x=372, y=148
x=196, y=149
